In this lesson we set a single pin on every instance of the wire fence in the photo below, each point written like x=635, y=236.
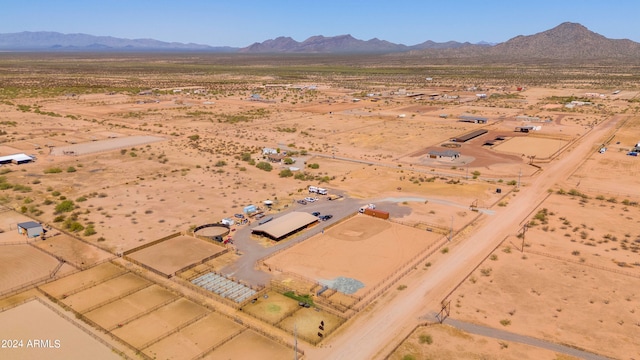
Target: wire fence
x=93, y=324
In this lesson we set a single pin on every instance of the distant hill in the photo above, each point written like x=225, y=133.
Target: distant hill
x=342, y=44
x=567, y=41
x=54, y=41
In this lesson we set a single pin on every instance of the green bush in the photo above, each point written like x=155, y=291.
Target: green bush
x=286, y=173
x=89, y=230
x=65, y=206
x=262, y=165
x=425, y=339
x=314, y=166
x=71, y=169
x=53, y=170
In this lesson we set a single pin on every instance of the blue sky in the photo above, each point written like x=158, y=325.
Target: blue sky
x=240, y=23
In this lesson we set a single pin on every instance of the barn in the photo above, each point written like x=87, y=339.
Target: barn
x=16, y=159
x=468, y=136
x=30, y=228
x=286, y=225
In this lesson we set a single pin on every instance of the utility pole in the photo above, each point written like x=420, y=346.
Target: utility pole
x=295, y=341
x=519, y=176
x=524, y=231
x=451, y=229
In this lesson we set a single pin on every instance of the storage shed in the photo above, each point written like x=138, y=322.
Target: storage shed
x=30, y=228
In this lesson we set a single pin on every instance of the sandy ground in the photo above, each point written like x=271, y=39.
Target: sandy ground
x=350, y=248
x=21, y=264
x=141, y=192
x=33, y=322
x=174, y=254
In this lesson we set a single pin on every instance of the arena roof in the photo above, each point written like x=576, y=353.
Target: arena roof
x=285, y=225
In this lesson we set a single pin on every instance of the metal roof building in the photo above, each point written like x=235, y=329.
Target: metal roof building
x=285, y=225
x=16, y=159
x=469, y=136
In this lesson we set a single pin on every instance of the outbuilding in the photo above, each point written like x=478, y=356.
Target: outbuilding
x=30, y=229
x=278, y=229
x=16, y=159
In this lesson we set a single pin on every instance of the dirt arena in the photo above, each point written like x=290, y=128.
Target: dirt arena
x=362, y=248
x=541, y=148
x=176, y=253
x=34, y=321
x=22, y=264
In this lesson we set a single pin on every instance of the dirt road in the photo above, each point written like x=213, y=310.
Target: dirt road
x=375, y=331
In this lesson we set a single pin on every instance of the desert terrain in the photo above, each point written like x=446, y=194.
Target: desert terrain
x=519, y=228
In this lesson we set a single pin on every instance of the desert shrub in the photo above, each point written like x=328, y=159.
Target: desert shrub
x=89, y=230
x=53, y=170
x=286, y=173
x=194, y=137
x=64, y=206
x=425, y=339
x=314, y=166
x=505, y=322
x=262, y=165
x=220, y=163
x=71, y=169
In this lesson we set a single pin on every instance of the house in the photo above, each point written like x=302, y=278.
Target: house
x=30, y=229
x=452, y=154
x=275, y=158
x=269, y=151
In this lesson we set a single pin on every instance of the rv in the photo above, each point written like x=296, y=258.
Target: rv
x=368, y=206
x=317, y=190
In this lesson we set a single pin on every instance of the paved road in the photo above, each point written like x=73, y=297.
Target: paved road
x=527, y=340
x=374, y=332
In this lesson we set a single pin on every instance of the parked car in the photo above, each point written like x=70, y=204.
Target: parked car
x=310, y=199
x=239, y=216
x=326, y=217
x=315, y=213
x=302, y=202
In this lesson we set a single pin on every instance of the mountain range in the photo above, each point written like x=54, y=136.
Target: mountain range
x=565, y=41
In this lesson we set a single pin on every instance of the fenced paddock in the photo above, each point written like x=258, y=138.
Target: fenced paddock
x=34, y=320
x=175, y=253
x=199, y=338
x=361, y=248
x=249, y=343
x=272, y=309
x=22, y=263
x=105, y=292
x=131, y=307
x=83, y=280
x=153, y=327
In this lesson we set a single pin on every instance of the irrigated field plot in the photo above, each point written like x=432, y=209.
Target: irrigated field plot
x=176, y=253
x=361, y=248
